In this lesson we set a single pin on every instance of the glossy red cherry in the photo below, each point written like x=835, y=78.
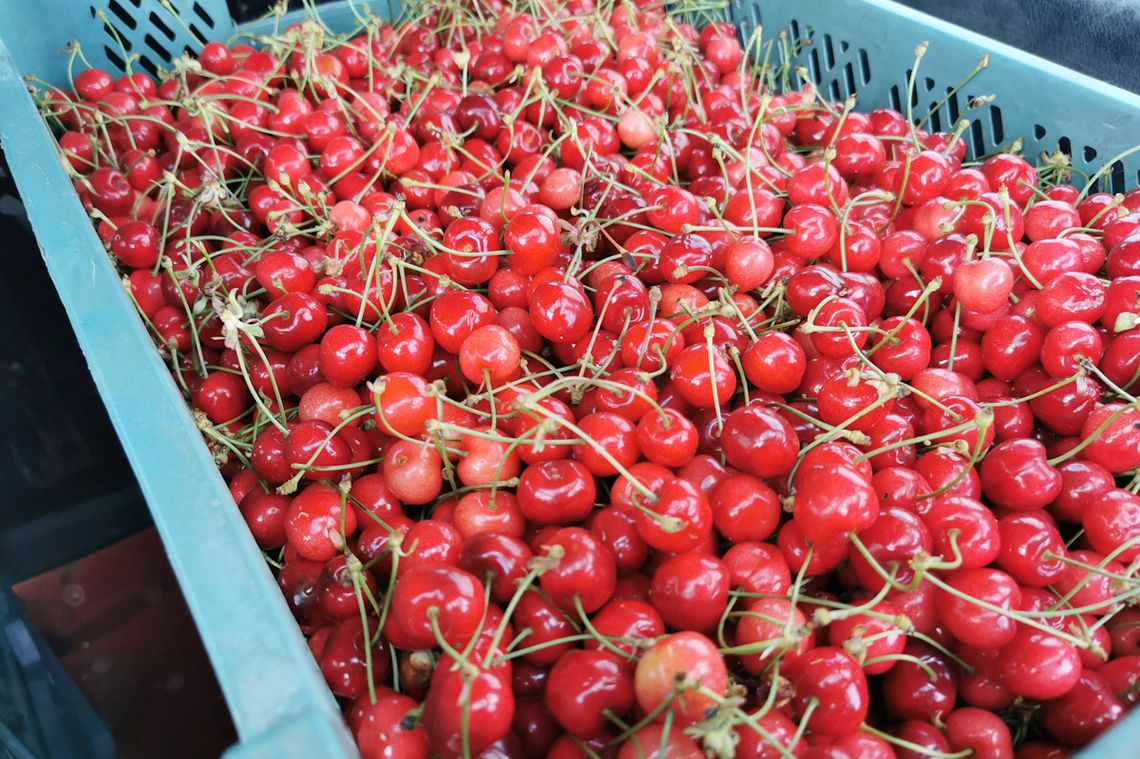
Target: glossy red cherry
x=1040, y=666
x=691, y=591
x=584, y=685
x=580, y=572
x=831, y=679
x=759, y=441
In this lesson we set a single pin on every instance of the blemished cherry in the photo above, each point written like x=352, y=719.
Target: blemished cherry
x=685, y=657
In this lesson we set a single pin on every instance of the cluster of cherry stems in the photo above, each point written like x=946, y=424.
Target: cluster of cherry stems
x=595, y=390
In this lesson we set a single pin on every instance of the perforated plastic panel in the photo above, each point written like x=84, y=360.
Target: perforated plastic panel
x=867, y=47
x=154, y=33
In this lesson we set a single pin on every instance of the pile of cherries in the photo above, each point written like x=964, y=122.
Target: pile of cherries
x=593, y=395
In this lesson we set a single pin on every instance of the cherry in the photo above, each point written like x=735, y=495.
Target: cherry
x=1081, y=482
x=656, y=741
x=703, y=377
x=678, y=520
x=983, y=285
x=687, y=662
x=813, y=230
x=774, y=363
x=223, y=396
x=963, y=529
x=489, y=353
x=1066, y=345
x=868, y=637
x=314, y=522
x=819, y=558
x=1084, y=712
x=265, y=515
x=609, y=433
x=833, y=321
x=561, y=311
x=500, y=560
x=752, y=429
x=581, y=570
x=1030, y=547
x=691, y=591
x=556, y=492
x=403, y=405
x=1112, y=523
x=840, y=503
x=1113, y=435
x=757, y=568
x=456, y=314
x=1016, y=475
x=1122, y=675
x=744, y=508
x=293, y=321
x=834, y=682
x=920, y=733
x=968, y=621
x=908, y=691
x=382, y=728
x=344, y=662
x=583, y=685
x=980, y=731
x=348, y=355
x=778, y=731
x=1040, y=666
x=432, y=597
x=412, y=471
x=466, y=710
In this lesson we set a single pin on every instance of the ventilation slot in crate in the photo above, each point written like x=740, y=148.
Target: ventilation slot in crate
x=154, y=36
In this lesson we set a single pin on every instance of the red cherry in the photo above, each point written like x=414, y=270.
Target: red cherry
x=584, y=685
x=834, y=682
x=581, y=570
x=753, y=429
x=691, y=591
x=833, y=505
x=1040, y=666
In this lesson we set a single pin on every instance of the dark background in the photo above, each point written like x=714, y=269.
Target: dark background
x=68, y=490
x=1096, y=37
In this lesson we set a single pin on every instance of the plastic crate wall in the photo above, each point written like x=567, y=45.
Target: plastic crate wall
x=868, y=47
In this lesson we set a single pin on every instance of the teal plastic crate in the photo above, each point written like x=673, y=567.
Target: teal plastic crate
x=275, y=692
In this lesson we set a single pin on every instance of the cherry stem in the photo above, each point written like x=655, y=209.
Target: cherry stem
x=915, y=747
